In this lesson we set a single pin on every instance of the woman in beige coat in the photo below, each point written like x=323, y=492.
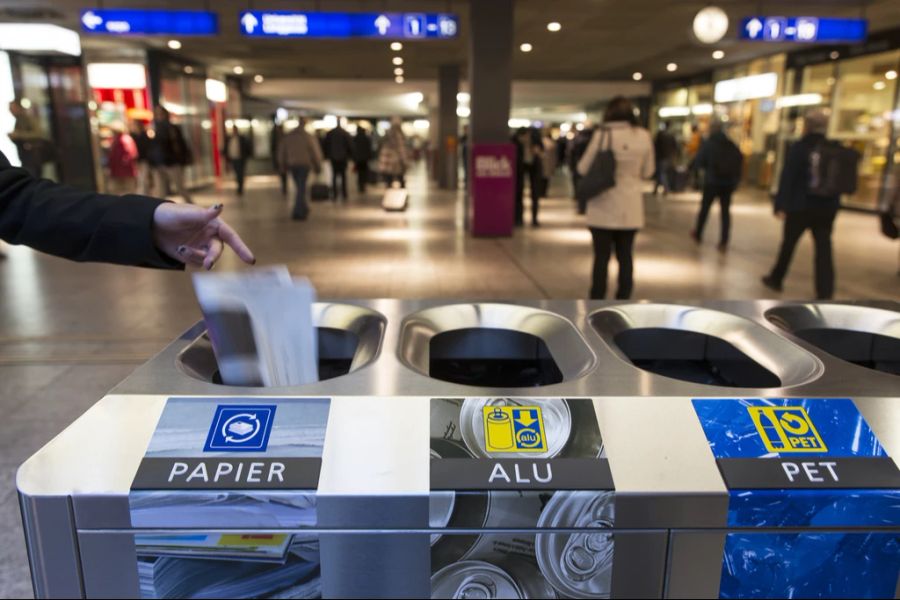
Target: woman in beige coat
x=615, y=215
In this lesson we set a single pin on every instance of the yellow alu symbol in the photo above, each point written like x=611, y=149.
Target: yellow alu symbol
x=786, y=429
x=514, y=429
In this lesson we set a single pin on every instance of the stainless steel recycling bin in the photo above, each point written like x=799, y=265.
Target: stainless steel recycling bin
x=479, y=449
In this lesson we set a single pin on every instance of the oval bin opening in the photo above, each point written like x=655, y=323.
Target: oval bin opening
x=694, y=357
x=348, y=338
x=870, y=350
x=492, y=358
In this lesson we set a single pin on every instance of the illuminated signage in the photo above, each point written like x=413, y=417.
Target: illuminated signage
x=282, y=23
x=747, y=88
x=149, y=22
x=803, y=29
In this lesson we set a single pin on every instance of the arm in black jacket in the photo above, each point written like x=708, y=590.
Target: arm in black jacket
x=78, y=225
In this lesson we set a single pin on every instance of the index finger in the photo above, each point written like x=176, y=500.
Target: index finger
x=234, y=241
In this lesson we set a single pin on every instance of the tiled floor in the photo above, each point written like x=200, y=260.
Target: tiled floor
x=70, y=332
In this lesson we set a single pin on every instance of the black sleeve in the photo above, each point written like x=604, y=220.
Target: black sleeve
x=78, y=225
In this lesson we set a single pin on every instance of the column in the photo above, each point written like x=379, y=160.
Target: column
x=491, y=155
x=448, y=127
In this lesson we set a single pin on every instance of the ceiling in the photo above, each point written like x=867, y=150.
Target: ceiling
x=600, y=41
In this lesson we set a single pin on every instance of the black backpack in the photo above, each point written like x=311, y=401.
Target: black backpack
x=727, y=162
x=832, y=170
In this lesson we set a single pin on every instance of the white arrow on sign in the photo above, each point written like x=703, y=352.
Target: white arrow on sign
x=382, y=24
x=249, y=22
x=91, y=21
x=754, y=26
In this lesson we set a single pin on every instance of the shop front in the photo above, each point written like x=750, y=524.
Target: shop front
x=858, y=86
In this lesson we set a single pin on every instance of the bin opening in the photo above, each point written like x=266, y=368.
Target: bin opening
x=337, y=347
x=694, y=357
x=490, y=357
x=870, y=350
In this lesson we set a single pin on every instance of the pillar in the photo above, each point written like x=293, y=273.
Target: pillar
x=492, y=163
x=448, y=127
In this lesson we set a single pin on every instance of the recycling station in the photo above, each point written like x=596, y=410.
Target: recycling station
x=546, y=449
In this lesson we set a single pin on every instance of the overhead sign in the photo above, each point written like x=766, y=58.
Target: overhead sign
x=282, y=23
x=803, y=29
x=149, y=22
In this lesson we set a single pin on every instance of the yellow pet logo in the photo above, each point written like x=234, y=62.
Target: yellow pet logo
x=786, y=429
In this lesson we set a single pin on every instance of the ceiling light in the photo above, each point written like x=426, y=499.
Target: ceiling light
x=239, y=70
x=399, y=79
x=38, y=37
x=396, y=46
x=188, y=69
x=671, y=67
x=553, y=26
x=718, y=54
x=417, y=97
x=834, y=55
x=398, y=71
x=526, y=47
x=891, y=75
x=637, y=75
x=830, y=81
x=879, y=85
x=259, y=79
x=397, y=61
x=463, y=97
x=174, y=44
x=463, y=111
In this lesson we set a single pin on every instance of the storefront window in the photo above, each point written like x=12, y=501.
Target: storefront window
x=185, y=99
x=862, y=117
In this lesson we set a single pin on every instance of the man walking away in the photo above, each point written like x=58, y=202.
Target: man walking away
x=362, y=154
x=815, y=174
x=169, y=155
x=575, y=151
x=274, y=144
x=299, y=153
x=666, y=149
x=723, y=164
x=237, y=150
x=339, y=150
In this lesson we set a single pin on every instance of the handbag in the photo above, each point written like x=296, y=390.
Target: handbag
x=602, y=174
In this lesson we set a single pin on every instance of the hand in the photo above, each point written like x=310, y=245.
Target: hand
x=196, y=235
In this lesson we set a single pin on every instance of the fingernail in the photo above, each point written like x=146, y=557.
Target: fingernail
x=253, y=262
x=218, y=206
x=181, y=249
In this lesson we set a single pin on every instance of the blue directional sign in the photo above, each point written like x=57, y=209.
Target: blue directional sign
x=803, y=29
x=149, y=22
x=282, y=23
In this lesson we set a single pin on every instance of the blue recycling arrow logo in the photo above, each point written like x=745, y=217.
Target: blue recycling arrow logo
x=240, y=428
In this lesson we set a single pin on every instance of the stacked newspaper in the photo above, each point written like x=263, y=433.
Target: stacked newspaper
x=260, y=324
x=169, y=577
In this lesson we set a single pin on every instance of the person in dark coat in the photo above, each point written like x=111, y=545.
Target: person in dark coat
x=169, y=155
x=666, y=148
x=338, y=149
x=126, y=230
x=237, y=150
x=722, y=163
x=528, y=162
x=362, y=154
x=274, y=144
x=801, y=210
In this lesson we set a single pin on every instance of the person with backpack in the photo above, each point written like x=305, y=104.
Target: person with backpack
x=723, y=164
x=615, y=209
x=339, y=151
x=816, y=172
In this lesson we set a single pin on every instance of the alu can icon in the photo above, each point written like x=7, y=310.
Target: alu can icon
x=499, y=430
x=556, y=414
x=577, y=565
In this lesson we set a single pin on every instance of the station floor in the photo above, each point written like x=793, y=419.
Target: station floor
x=69, y=332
